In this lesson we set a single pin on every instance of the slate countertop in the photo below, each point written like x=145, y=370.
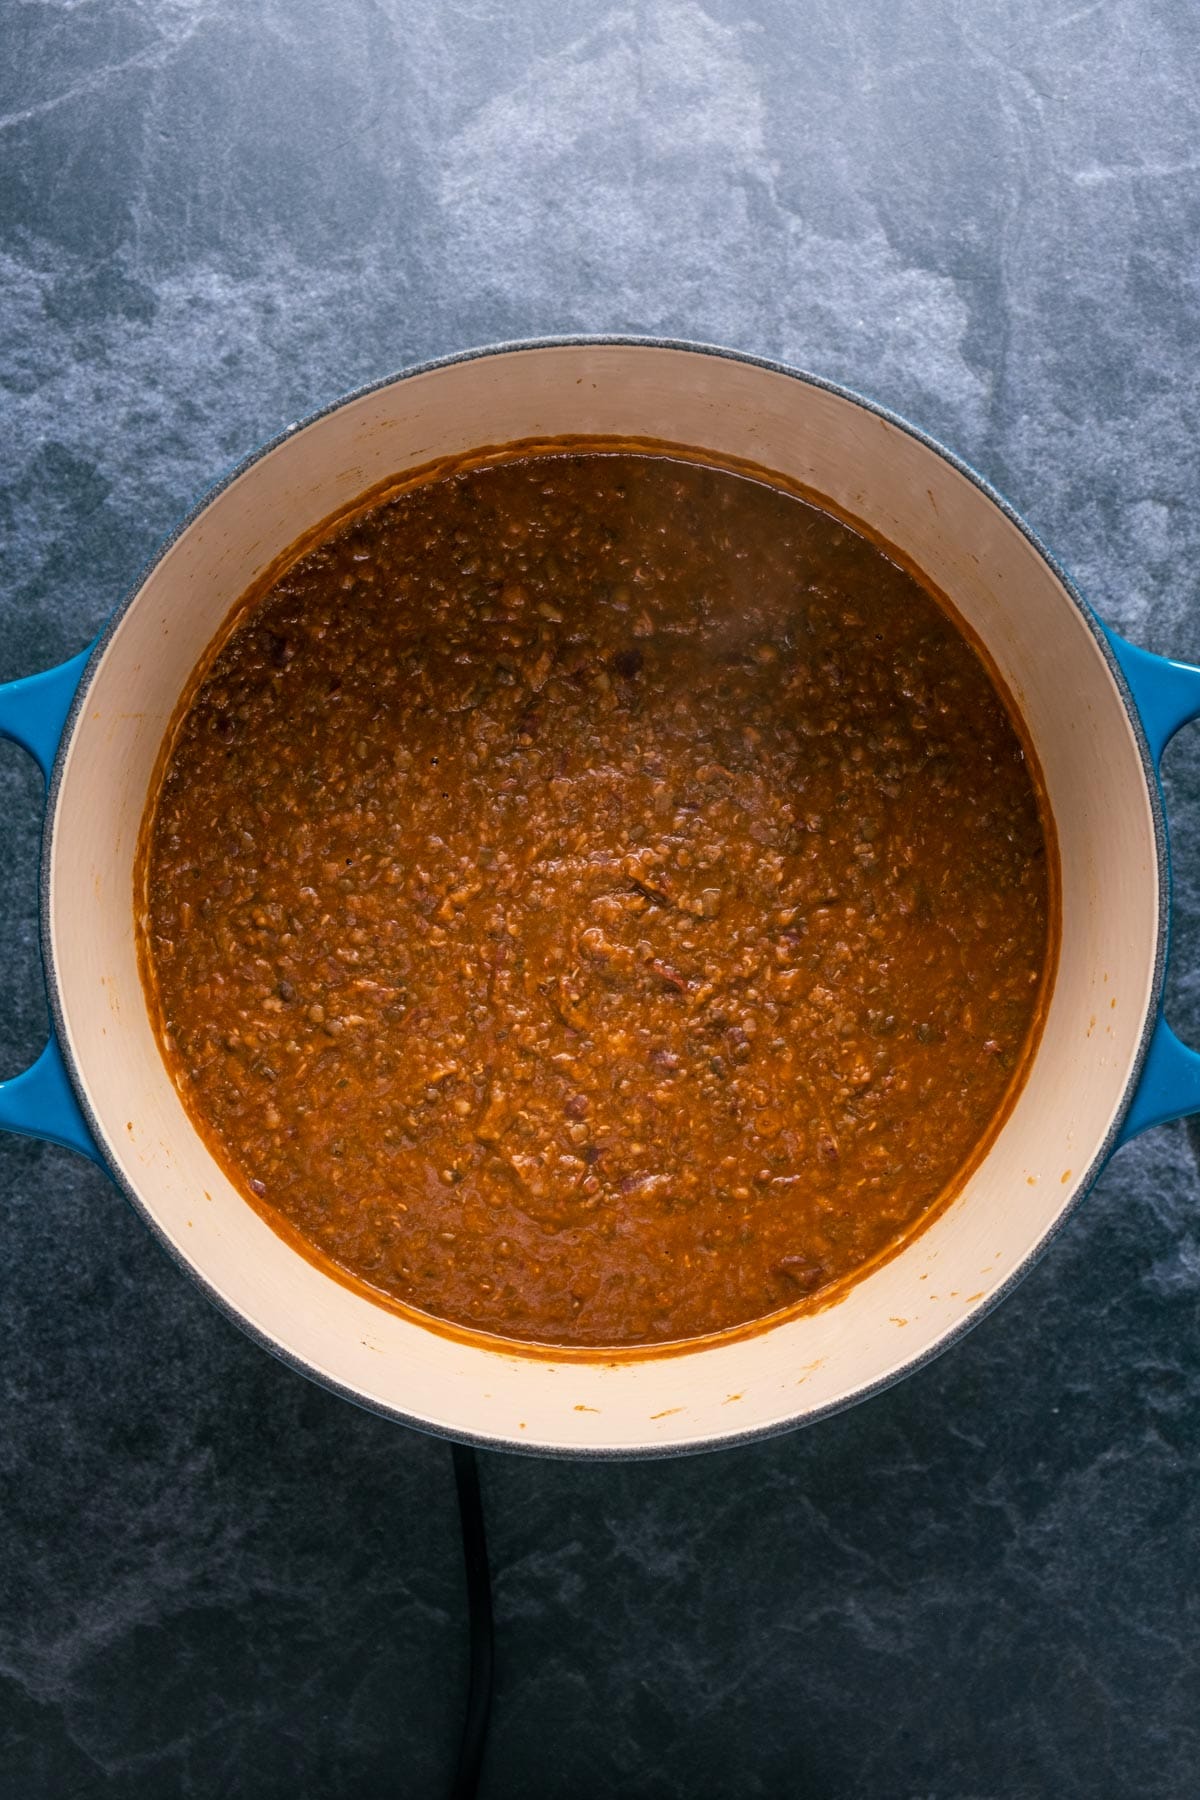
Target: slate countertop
x=216, y=215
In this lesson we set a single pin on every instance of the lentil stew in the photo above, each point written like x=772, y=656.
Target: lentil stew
x=596, y=898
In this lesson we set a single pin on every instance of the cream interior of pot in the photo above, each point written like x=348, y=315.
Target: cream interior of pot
x=1098, y=793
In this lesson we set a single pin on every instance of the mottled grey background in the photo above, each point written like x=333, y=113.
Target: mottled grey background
x=216, y=215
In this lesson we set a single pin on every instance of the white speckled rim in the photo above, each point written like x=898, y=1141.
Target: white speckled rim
x=460, y=1421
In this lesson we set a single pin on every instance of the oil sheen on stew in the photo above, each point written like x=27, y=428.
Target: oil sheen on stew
x=596, y=899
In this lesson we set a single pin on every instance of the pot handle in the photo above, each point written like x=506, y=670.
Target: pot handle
x=41, y=1102
x=1167, y=696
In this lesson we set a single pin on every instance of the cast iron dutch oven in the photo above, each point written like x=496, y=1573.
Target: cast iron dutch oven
x=1098, y=713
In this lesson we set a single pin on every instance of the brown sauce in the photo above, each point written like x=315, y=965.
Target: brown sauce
x=596, y=899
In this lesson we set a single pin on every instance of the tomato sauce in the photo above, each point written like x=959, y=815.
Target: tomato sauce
x=596, y=898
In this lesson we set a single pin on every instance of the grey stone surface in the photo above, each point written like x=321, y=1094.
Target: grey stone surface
x=218, y=214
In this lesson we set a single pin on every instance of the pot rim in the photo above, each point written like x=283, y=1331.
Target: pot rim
x=778, y=1428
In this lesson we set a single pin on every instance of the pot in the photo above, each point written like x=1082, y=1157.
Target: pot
x=1097, y=710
